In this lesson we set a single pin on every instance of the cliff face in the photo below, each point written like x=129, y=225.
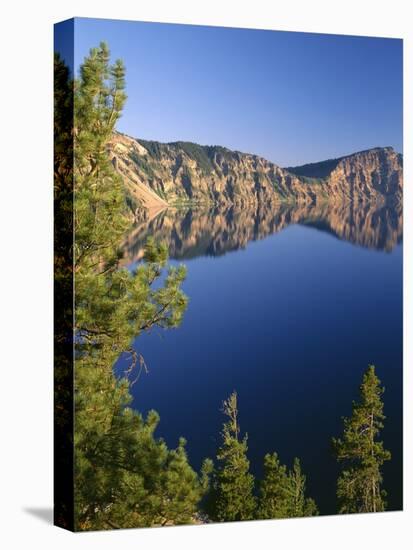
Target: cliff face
x=157, y=174
x=367, y=175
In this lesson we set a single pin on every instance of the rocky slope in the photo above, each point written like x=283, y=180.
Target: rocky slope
x=368, y=175
x=158, y=174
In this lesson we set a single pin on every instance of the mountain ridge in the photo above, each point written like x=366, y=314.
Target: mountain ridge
x=157, y=175
x=305, y=169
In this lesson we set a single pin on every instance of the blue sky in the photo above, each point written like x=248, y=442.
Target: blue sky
x=290, y=97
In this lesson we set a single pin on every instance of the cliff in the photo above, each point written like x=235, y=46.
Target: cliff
x=368, y=175
x=160, y=174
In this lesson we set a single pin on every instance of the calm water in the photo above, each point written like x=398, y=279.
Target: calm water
x=288, y=307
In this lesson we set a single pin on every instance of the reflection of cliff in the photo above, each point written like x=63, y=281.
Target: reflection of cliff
x=203, y=232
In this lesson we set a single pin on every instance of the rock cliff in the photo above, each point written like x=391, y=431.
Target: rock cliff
x=160, y=174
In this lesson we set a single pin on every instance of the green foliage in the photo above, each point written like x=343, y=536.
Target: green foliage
x=203, y=155
x=298, y=504
x=320, y=170
x=360, y=452
x=131, y=201
x=232, y=497
x=63, y=289
x=154, y=148
x=198, y=153
x=100, y=206
x=143, y=163
x=273, y=495
x=311, y=181
x=124, y=475
x=213, y=150
x=282, y=493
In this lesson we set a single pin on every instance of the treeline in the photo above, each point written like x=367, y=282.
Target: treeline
x=124, y=475
x=235, y=495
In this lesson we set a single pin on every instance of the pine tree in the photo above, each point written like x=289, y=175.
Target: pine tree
x=361, y=453
x=182, y=488
x=124, y=475
x=273, y=496
x=100, y=209
x=232, y=497
x=298, y=504
x=282, y=492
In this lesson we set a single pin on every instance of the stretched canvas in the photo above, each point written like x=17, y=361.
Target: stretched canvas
x=228, y=274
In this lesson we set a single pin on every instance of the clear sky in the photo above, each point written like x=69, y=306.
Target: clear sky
x=289, y=97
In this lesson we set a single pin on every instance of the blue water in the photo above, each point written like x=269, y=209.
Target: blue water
x=291, y=322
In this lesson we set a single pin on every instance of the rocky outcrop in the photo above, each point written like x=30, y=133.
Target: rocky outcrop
x=368, y=175
x=160, y=174
x=201, y=231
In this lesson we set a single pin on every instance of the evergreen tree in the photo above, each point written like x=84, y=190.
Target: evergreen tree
x=232, y=488
x=124, y=475
x=361, y=453
x=282, y=493
x=273, y=496
x=298, y=504
x=100, y=205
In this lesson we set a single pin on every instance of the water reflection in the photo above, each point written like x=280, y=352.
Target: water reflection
x=193, y=232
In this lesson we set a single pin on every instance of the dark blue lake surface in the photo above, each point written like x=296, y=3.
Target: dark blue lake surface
x=289, y=316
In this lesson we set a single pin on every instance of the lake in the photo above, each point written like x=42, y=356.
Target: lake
x=288, y=305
